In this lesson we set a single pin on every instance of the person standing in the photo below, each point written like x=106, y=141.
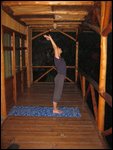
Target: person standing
x=61, y=74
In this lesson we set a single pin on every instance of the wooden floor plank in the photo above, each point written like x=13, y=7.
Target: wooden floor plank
x=52, y=132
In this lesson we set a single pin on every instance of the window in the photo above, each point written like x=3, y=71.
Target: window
x=23, y=52
x=7, y=54
x=17, y=44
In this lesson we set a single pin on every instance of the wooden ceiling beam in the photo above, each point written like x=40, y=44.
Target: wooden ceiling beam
x=48, y=20
x=64, y=30
x=33, y=12
x=41, y=26
x=67, y=23
x=69, y=18
x=35, y=16
x=71, y=8
x=39, y=22
x=93, y=27
x=47, y=3
x=50, y=28
x=36, y=19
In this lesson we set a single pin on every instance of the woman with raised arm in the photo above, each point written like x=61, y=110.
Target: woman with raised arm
x=61, y=74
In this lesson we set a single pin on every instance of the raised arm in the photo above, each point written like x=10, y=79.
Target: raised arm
x=55, y=47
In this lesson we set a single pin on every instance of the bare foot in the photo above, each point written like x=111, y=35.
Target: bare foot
x=57, y=111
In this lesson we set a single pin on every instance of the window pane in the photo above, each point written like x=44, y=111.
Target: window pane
x=7, y=39
x=17, y=44
x=8, y=63
x=7, y=55
x=23, y=53
x=23, y=57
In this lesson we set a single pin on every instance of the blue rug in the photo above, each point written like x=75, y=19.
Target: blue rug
x=44, y=111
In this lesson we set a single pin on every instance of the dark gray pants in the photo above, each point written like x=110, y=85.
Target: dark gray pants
x=59, y=83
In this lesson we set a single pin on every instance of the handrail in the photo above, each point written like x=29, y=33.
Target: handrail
x=105, y=95
x=94, y=85
x=51, y=66
x=93, y=82
x=50, y=69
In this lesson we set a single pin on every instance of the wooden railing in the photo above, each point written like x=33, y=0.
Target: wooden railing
x=50, y=69
x=91, y=87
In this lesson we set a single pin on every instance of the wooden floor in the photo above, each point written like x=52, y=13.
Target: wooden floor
x=52, y=132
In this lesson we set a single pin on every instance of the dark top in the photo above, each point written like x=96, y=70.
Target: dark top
x=60, y=65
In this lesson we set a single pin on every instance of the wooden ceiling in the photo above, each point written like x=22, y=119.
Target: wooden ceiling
x=66, y=16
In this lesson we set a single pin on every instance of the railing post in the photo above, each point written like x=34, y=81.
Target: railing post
x=94, y=102
x=83, y=87
x=76, y=57
x=76, y=63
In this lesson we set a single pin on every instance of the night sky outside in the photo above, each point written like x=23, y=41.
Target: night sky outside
x=89, y=55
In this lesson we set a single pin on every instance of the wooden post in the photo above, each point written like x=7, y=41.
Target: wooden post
x=28, y=58
x=102, y=83
x=14, y=68
x=31, y=69
x=21, y=68
x=3, y=98
x=76, y=63
x=94, y=102
x=76, y=57
x=102, y=78
x=87, y=91
x=83, y=87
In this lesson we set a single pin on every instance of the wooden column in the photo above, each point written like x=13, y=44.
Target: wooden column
x=102, y=83
x=31, y=69
x=21, y=68
x=14, y=68
x=3, y=98
x=76, y=63
x=76, y=58
x=103, y=64
x=84, y=87
x=29, y=57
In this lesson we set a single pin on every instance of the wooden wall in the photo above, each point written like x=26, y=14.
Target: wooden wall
x=9, y=94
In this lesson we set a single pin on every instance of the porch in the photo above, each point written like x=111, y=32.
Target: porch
x=52, y=132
